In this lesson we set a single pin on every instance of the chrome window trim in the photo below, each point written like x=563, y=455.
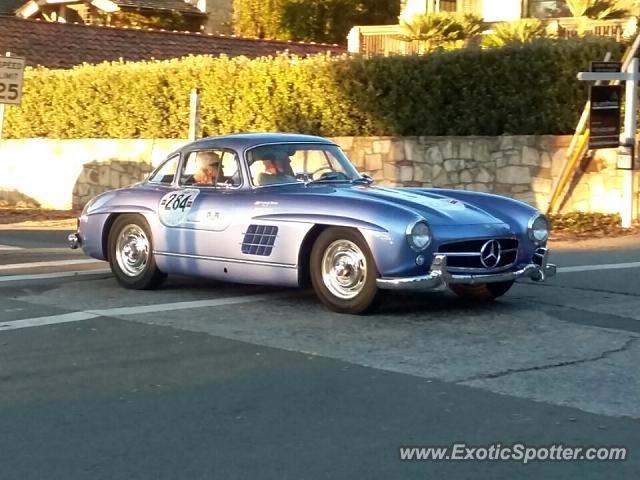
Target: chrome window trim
x=267, y=144
x=159, y=167
x=212, y=187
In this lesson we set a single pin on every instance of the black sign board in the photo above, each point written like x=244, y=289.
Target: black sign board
x=604, y=118
x=606, y=67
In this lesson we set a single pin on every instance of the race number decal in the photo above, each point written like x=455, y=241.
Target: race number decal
x=175, y=206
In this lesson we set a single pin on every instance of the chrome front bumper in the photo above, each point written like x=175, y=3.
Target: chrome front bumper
x=438, y=277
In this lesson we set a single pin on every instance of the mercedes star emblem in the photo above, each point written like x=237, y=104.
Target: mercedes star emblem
x=490, y=253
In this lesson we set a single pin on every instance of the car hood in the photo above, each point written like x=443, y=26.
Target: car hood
x=437, y=209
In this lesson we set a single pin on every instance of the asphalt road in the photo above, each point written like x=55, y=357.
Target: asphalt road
x=209, y=380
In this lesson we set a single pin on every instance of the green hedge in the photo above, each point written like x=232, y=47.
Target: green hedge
x=518, y=89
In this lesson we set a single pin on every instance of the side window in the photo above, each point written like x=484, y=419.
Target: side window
x=166, y=172
x=211, y=168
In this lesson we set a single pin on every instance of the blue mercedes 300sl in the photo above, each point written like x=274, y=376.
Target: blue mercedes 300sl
x=284, y=209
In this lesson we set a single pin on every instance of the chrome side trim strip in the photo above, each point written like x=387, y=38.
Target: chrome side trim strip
x=227, y=260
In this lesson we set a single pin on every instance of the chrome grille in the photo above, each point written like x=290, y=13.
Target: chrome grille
x=466, y=254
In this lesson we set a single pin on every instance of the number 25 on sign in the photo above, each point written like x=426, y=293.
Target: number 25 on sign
x=11, y=73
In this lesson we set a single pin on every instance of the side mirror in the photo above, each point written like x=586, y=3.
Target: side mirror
x=368, y=179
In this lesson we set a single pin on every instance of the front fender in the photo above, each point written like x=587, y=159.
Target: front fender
x=320, y=219
x=513, y=212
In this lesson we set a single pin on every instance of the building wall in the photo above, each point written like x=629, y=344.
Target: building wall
x=501, y=10
x=67, y=173
x=490, y=10
x=410, y=8
x=220, y=15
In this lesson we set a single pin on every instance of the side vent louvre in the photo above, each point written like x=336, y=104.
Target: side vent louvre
x=259, y=240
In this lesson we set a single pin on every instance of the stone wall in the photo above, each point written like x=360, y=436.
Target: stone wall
x=523, y=167
x=67, y=173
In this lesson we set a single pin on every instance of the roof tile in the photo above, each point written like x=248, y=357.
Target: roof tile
x=60, y=45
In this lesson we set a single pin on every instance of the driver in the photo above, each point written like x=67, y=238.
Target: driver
x=208, y=169
x=277, y=169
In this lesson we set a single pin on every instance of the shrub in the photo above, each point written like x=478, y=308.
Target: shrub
x=581, y=223
x=517, y=89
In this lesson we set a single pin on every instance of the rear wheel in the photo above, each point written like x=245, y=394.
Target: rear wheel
x=482, y=292
x=343, y=272
x=130, y=251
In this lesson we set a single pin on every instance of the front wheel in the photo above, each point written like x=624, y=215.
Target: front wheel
x=481, y=292
x=343, y=272
x=130, y=252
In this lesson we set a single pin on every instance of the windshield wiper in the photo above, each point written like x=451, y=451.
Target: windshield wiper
x=330, y=177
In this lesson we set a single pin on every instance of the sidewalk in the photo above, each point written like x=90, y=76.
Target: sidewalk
x=30, y=219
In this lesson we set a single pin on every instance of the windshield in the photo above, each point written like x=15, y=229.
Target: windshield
x=299, y=162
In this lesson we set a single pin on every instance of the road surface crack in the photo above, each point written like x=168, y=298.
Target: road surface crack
x=607, y=353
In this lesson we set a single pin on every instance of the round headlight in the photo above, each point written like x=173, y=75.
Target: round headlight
x=539, y=229
x=419, y=236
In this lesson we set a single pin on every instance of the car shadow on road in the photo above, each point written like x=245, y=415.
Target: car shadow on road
x=404, y=303
x=204, y=285
x=417, y=305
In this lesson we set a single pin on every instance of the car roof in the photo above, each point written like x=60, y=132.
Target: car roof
x=244, y=141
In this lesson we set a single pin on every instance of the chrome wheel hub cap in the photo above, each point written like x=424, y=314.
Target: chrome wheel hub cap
x=132, y=250
x=344, y=269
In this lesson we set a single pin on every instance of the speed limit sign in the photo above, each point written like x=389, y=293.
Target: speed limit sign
x=11, y=73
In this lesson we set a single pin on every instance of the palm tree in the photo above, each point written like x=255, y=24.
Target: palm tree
x=579, y=8
x=519, y=31
x=435, y=30
x=599, y=9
